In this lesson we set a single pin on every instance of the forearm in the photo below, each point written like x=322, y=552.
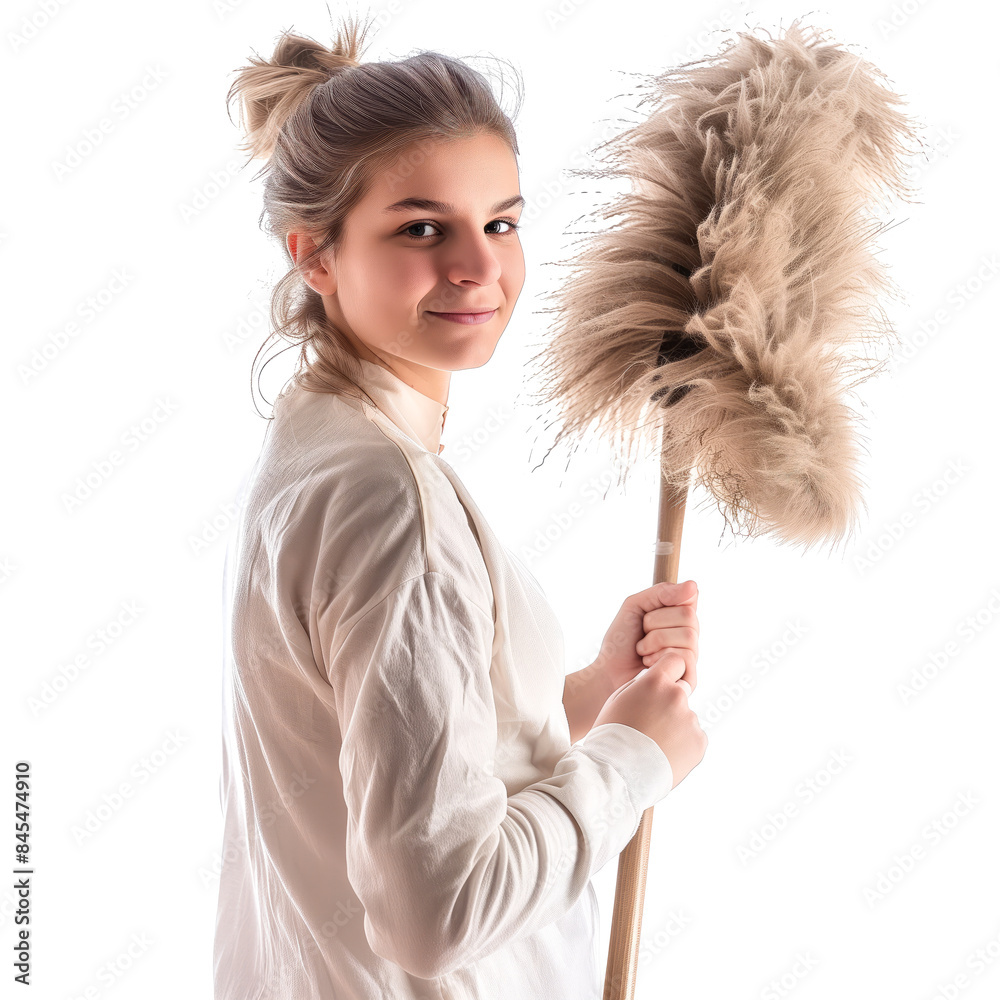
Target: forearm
x=584, y=695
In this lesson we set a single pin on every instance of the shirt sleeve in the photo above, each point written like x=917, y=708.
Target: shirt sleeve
x=447, y=865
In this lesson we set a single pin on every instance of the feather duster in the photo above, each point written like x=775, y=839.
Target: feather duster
x=731, y=305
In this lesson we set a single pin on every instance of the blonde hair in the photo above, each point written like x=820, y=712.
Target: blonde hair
x=327, y=123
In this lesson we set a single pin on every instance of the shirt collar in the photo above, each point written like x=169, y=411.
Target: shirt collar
x=418, y=416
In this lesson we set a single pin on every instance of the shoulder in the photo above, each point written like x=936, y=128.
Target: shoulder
x=324, y=449
x=359, y=507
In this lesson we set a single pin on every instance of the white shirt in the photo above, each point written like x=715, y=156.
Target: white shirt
x=404, y=814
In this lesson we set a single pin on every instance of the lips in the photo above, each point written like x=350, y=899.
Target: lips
x=464, y=312
x=468, y=317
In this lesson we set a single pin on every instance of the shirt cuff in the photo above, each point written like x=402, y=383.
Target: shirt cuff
x=643, y=765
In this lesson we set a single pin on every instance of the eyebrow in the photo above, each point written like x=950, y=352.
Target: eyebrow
x=429, y=205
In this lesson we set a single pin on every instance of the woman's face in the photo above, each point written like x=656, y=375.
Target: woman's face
x=404, y=262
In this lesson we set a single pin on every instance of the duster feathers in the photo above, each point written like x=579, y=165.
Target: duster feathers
x=729, y=307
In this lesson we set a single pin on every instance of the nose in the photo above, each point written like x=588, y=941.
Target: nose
x=472, y=258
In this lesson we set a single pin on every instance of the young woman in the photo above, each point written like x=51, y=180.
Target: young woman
x=415, y=794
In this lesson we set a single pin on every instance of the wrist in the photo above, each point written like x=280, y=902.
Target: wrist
x=584, y=693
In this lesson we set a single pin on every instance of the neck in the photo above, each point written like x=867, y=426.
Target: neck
x=431, y=382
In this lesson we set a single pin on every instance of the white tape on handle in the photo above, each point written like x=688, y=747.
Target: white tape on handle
x=663, y=548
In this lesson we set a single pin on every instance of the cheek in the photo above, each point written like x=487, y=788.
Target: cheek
x=513, y=272
x=376, y=285
x=397, y=278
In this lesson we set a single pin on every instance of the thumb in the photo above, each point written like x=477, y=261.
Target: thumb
x=618, y=690
x=663, y=595
x=672, y=664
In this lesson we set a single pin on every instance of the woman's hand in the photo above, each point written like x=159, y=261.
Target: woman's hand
x=650, y=622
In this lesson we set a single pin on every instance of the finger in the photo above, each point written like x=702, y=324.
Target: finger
x=685, y=592
x=690, y=672
x=680, y=637
x=687, y=687
x=667, y=617
x=665, y=594
x=673, y=666
x=689, y=656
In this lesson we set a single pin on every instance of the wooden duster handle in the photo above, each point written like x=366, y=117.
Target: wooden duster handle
x=630, y=889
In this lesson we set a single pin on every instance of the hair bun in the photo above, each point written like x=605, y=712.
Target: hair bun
x=269, y=90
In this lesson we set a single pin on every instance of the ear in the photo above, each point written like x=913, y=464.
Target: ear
x=317, y=276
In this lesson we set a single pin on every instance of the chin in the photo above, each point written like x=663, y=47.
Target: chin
x=479, y=356
x=484, y=350
x=473, y=354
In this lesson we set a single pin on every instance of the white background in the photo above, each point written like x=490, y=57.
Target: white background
x=881, y=883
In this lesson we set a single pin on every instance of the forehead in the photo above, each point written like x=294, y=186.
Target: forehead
x=470, y=173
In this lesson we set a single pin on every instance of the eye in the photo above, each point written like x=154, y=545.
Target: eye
x=510, y=223
x=417, y=225
x=507, y=222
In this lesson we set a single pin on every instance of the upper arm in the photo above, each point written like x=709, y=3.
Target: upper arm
x=411, y=680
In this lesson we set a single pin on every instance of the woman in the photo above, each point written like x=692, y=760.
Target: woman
x=415, y=794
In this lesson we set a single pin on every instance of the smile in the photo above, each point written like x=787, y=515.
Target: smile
x=466, y=317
